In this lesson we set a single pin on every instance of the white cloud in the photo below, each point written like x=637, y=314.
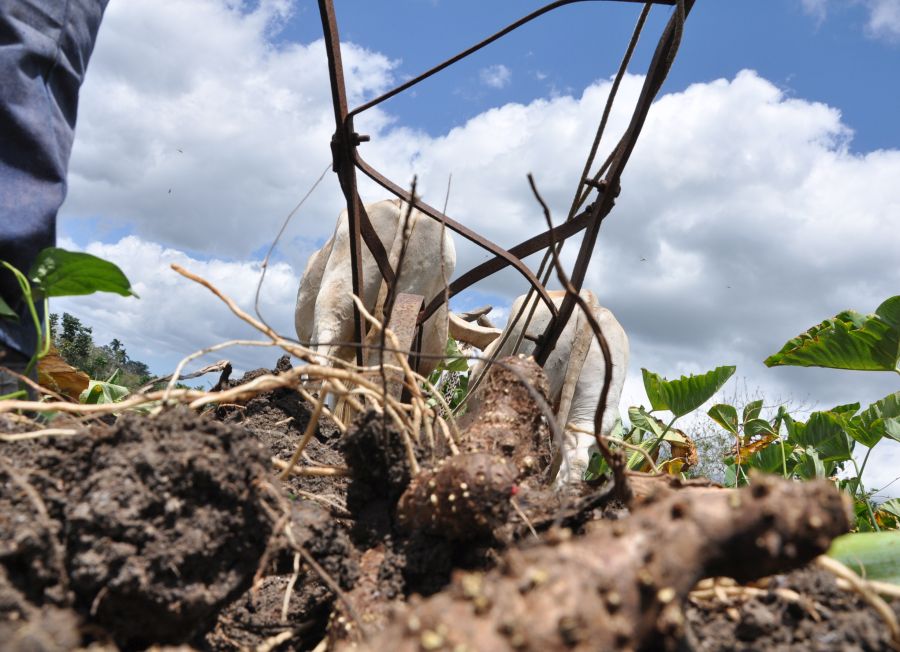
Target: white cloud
x=175, y=316
x=208, y=137
x=754, y=218
x=816, y=8
x=495, y=76
x=884, y=19
x=883, y=16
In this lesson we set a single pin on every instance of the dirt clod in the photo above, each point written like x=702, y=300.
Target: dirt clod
x=160, y=521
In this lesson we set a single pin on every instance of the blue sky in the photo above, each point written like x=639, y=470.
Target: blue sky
x=762, y=198
x=825, y=57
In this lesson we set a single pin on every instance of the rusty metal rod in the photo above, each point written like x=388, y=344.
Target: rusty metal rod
x=485, y=42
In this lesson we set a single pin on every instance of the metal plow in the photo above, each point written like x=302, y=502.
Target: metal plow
x=601, y=186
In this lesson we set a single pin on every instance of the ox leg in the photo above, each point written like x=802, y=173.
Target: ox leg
x=579, y=447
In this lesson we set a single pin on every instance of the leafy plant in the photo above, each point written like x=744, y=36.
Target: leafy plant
x=680, y=396
x=75, y=344
x=821, y=446
x=56, y=273
x=99, y=391
x=825, y=442
x=849, y=340
x=451, y=376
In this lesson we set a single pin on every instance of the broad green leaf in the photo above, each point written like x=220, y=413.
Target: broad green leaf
x=61, y=273
x=825, y=433
x=891, y=506
x=889, y=311
x=848, y=409
x=735, y=476
x=102, y=392
x=780, y=417
x=873, y=555
x=810, y=465
x=772, y=459
x=848, y=341
x=681, y=444
x=861, y=511
x=752, y=410
x=851, y=486
x=892, y=428
x=642, y=420
x=596, y=468
x=795, y=429
x=653, y=387
x=687, y=393
x=725, y=415
x=730, y=475
x=453, y=360
x=755, y=427
x=869, y=426
x=6, y=312
x=618, y=429
x=636, y=460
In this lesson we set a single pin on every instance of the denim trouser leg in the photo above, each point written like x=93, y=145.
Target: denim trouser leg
x=44, y=50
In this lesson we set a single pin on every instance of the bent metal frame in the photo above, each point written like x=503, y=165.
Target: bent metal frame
x=605, y=181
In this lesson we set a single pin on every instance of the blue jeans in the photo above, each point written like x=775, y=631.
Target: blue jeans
x=44, y=50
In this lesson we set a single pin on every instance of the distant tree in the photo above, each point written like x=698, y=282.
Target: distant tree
x=75, y=344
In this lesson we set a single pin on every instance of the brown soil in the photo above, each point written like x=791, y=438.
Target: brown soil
x=827, y=618
x=151, y=531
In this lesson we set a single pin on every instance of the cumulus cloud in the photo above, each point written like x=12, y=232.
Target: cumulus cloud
x=208, y=137
x=496, y=76
x=175, y=316
x=744, y=217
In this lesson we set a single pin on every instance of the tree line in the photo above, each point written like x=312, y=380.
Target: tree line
x=75, y=343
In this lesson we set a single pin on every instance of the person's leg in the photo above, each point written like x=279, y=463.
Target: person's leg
x=45, y=46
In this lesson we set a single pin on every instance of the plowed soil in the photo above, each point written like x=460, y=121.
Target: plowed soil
x=170, y=531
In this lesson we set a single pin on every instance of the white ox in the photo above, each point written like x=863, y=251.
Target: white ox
x=575, y=371
x=324, y=312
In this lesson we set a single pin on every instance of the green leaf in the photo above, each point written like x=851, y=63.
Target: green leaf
x=453, y=360
x=102, y=392
x=851, y=486
x=879, y=419
x=809, y=465
x=770, y=460
x=825, y=433
x=892, y=428
x=642, y=420
x=61, y=273
x=730, y=475
x=848, y=410
x=754, y=427
x=725, y=415
x=873, y=555
x=752, y=410
x=891, y=506
x=6, y=312
x=687, y=393
x=848, y=341
x=596, y=468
